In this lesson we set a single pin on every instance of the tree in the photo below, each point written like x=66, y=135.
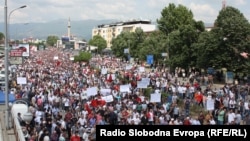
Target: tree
x=221, y=47
x=136, y=39
x=1, y=38
x=121, y=42
x=173, y=17
x=99, y=42
x=128, y=40
x=154, y=45
x=178, y=23
x=52, y=40
x=206, y=52
x=83, y=56
x=233, y=30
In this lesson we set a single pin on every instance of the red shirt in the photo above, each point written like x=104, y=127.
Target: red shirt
x=75, y=138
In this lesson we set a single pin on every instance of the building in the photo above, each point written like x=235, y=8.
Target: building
x=110, y=31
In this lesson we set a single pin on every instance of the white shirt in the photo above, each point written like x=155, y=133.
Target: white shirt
x=46, y=138
x=246, y=106
x=231, y=117
x=137, y=120
x=85, y=136
x=51, y=98
x=66, y=102
x=82, y=121
x=212, y=122
x=84, y=113
x=195, y=122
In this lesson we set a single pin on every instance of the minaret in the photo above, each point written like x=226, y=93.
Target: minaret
x=223, y=4
x=69, y=28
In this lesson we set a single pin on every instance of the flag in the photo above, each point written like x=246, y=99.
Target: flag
x=110, y=79
x=94, y=103
x=58, y=63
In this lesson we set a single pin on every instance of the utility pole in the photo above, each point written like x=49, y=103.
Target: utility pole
x=6, y=65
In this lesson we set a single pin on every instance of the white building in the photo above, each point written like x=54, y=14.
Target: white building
x=110, y=31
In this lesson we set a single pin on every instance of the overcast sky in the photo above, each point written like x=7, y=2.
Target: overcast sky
x=49, y=10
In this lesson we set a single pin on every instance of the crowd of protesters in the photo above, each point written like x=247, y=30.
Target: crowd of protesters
x=57, y=90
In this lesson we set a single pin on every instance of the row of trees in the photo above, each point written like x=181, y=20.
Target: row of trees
x=188, y=43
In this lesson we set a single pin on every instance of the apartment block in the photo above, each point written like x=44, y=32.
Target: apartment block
x=112, y=30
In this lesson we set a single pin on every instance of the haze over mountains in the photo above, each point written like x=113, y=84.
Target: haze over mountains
x=80, y=29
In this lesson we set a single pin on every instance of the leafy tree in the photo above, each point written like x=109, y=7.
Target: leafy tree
x=99, y=42
x=51, y=40
x=121, y=42
x=136, y=39
x=221, y=47
x=233, y=30
x=178, y=23
x=128, y=40
x=1, y=38
x=154, y=45
x=83, y=56
x=205, y=50
x=173, y=17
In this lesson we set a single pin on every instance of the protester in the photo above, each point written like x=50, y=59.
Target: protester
x=68, y=99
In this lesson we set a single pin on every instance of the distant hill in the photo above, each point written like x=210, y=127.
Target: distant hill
x=80, y=29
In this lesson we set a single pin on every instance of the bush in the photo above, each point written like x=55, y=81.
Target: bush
x=83, y=56
x=148, y=92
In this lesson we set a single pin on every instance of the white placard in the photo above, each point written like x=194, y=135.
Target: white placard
x=108, y=98
x=128, y=67
x=142, y=69
x=104, y=71
x=146, y=80
x=25, y=54
x=155, y=97
x=124, y=88
x=55, y=57
x=210, y=104
x=164, y=54
x=142, y=84
x=71, y=58
x=91, y=91
x=105, y=91
x=21, y=80
x=142, y=98
x=126, y=50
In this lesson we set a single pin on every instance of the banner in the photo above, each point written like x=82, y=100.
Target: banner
x=150, y=59
x=229, y=77
x=25, y=49
x=16, y=60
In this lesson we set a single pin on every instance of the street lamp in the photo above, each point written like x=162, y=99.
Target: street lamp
x=21, y=7
x=6, y=65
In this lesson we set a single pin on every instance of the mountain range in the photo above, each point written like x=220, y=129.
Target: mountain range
x=81, y=29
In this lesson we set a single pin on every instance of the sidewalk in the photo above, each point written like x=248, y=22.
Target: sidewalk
x=5, y=135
